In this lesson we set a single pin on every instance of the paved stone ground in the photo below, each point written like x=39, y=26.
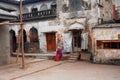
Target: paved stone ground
x=62, y=70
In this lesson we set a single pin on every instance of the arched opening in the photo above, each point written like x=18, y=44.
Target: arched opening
x=25, y=10
x=12, y=41
x=43, y=7
x=34, y=41
x=24, y=36
x=33, y=35
x=20, y=39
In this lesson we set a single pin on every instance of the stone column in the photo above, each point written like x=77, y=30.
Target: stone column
x=4, y=45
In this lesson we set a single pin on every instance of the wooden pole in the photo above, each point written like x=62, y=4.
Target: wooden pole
x=21, y=21
x=18, y=51
x=8, y=23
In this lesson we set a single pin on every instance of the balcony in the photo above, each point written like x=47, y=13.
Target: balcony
x=116, y=13
x=46, y=14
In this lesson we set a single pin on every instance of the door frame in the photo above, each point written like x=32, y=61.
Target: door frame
x=48, y=33
x=73, y=40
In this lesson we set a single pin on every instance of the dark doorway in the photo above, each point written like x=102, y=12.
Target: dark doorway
x=51, y=41
x=12, y=41
x=33, y=35
x=76, y=41
x=34, y=41
x=20, y=39
x=24, y=36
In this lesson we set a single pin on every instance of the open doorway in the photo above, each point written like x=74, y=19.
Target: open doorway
x=34, y=41
x=20, y=39
x=12, y=41
x=76, y=41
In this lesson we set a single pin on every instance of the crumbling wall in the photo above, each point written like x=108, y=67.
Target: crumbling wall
x=104, y=55
x=87, y=16
x=106, y=10
x=4, y=45
x=43, y=27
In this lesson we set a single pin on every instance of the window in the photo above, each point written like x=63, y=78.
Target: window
x=34, y=9
x=108, y=44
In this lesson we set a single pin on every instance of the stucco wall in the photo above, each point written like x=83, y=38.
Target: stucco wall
x=103, y=55
x=42, y=27
x=4, y=45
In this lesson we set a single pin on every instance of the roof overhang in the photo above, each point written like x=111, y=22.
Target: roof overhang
x=7, y=9
x=110, y=25
x=76, y=26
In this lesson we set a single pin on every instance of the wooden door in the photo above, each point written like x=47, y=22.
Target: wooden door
x=51, y=41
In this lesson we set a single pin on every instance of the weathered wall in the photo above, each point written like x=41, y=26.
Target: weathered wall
x=4, y=45
x=36, y=5
x=106, y=10
x=42, y=27
x=103, y=55
x=87, y=16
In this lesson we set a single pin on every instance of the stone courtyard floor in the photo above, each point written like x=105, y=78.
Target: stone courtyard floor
x=41, y=69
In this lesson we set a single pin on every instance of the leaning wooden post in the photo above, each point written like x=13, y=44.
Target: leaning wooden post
x=18, y=51
x=21, y=25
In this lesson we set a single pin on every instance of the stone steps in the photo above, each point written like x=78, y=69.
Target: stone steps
x=73, y=57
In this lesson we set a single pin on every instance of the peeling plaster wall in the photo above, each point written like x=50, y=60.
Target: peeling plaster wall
x=42, y=27
x=106, y=11
x=103, y=55
x=91, y=15
x=88, y=18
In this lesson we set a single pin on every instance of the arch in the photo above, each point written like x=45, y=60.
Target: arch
x=12, y=41
x=25, y=10
x=33, y=35
x=34, y=41
x=24, y=35
x=43, y=7
x=53, y=3
x=76, y=26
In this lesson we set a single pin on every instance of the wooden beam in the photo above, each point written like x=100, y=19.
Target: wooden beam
x=8, y=23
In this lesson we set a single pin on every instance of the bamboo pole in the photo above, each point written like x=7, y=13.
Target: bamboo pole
x=21, y=25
